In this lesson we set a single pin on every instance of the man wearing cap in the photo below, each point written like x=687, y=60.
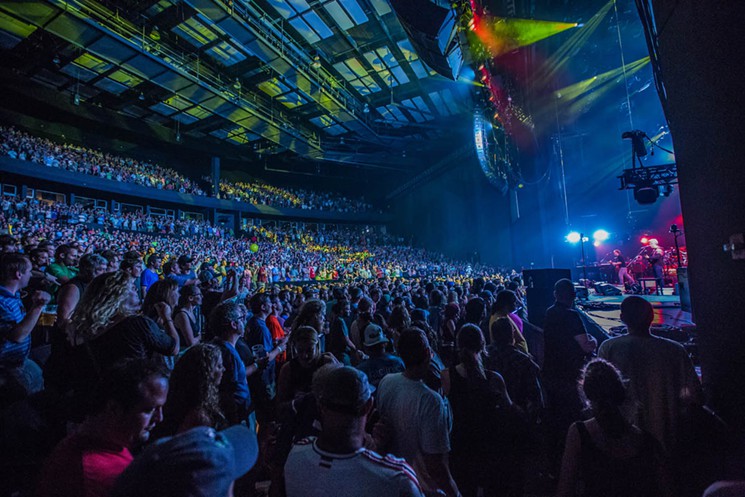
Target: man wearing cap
x=417, y=415
x=380, y=363
x=336, y=463
x=200, y=461
x=128, y=404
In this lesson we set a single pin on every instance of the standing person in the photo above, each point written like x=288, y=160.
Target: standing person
x=337, y=463
x=259, y=338
x=193, y=395
x=619, y=262
x=228, y=324
x=339, y=342
x=21, y=376
x=662, y=380
x=568, y=347
x=91, y=265
x=64, y=267
x=482, y=451
x=657, y=260
x=150, y=274
x=505, y=306
x=417, y=416
x=611, y=456
x=187, y=318
x=128, y=404
x=380, y=363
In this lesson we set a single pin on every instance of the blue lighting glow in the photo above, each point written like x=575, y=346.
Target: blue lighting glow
x=573, y=237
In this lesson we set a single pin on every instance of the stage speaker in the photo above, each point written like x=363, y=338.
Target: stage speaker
x=684, y=290
x=606, y=289
x=431, y=26
x=540, y=291
x=582, y=292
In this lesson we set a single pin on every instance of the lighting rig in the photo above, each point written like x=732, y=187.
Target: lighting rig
x=648, y=182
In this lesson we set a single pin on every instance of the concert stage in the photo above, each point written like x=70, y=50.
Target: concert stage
x=670, y=321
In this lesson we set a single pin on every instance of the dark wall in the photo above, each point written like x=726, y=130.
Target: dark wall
x=457, y=213
x=702, y=54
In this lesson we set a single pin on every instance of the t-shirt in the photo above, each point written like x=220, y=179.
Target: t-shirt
x=419, y=419
x=235, y=398
x=661, y=377
x=312, y=472
x=11, y=313
x=60, y=271
x=564, y=357
x=147, y=278
x=257, y=333
x=82, y=466
x=377, y=367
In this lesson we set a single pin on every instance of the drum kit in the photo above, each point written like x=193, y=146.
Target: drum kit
x=639, y=266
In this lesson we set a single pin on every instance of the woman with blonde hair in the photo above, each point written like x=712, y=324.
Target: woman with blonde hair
x=107, y=322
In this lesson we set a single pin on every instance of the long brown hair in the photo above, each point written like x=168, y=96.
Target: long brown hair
x=471, y=345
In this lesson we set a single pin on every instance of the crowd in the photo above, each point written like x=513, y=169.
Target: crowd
x=16, y=211
x=181, y=374
x=258, y=193
x=19, y=145
x=261, y=255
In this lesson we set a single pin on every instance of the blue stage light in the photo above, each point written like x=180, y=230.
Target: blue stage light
x=573, y=237
x=600, y=235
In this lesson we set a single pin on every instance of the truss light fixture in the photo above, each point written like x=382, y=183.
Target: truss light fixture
x=237, y=84
x=316, y=64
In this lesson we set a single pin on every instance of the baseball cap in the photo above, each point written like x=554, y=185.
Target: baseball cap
x=201, y=461
x=184, y=259
x=374, y=335
x=342, y=389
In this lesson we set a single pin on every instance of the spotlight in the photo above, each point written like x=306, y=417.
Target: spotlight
x=644, y=240
x=178, y=137
x=142, y=96
x=76, y=99
x=56, y=60
x=600, y=235
x=646, y=194
x=366, y=108
x=573, y=237
x=596, y=243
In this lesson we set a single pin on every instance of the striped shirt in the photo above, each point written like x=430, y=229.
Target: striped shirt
x=12, y=312
x=313, y=472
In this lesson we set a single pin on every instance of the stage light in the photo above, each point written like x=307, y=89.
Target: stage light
x=596, y=243
x=142, y=96
x=644, y=240
x=573, y=237
x=76, y=99
x=601, y=235
x=366, y=108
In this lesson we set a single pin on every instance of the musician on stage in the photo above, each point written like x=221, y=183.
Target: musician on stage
x=657, y=259
x=619, y=261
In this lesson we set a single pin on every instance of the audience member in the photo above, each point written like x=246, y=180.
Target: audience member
x=611, y=457
x=19, y=375
x=337, y=462
x=380, y=363
x=126, y=405
x=417, y=415
x=662, y=381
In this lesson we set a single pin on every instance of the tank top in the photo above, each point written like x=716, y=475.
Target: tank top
x=605, y=475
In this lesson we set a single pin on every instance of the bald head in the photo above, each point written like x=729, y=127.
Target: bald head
x=637, y=314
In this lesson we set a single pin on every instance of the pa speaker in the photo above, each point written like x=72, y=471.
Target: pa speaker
x=606, y=289
x=540, y=291
x=432, y=28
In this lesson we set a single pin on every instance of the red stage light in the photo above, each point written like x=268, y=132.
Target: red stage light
x=644, y=240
